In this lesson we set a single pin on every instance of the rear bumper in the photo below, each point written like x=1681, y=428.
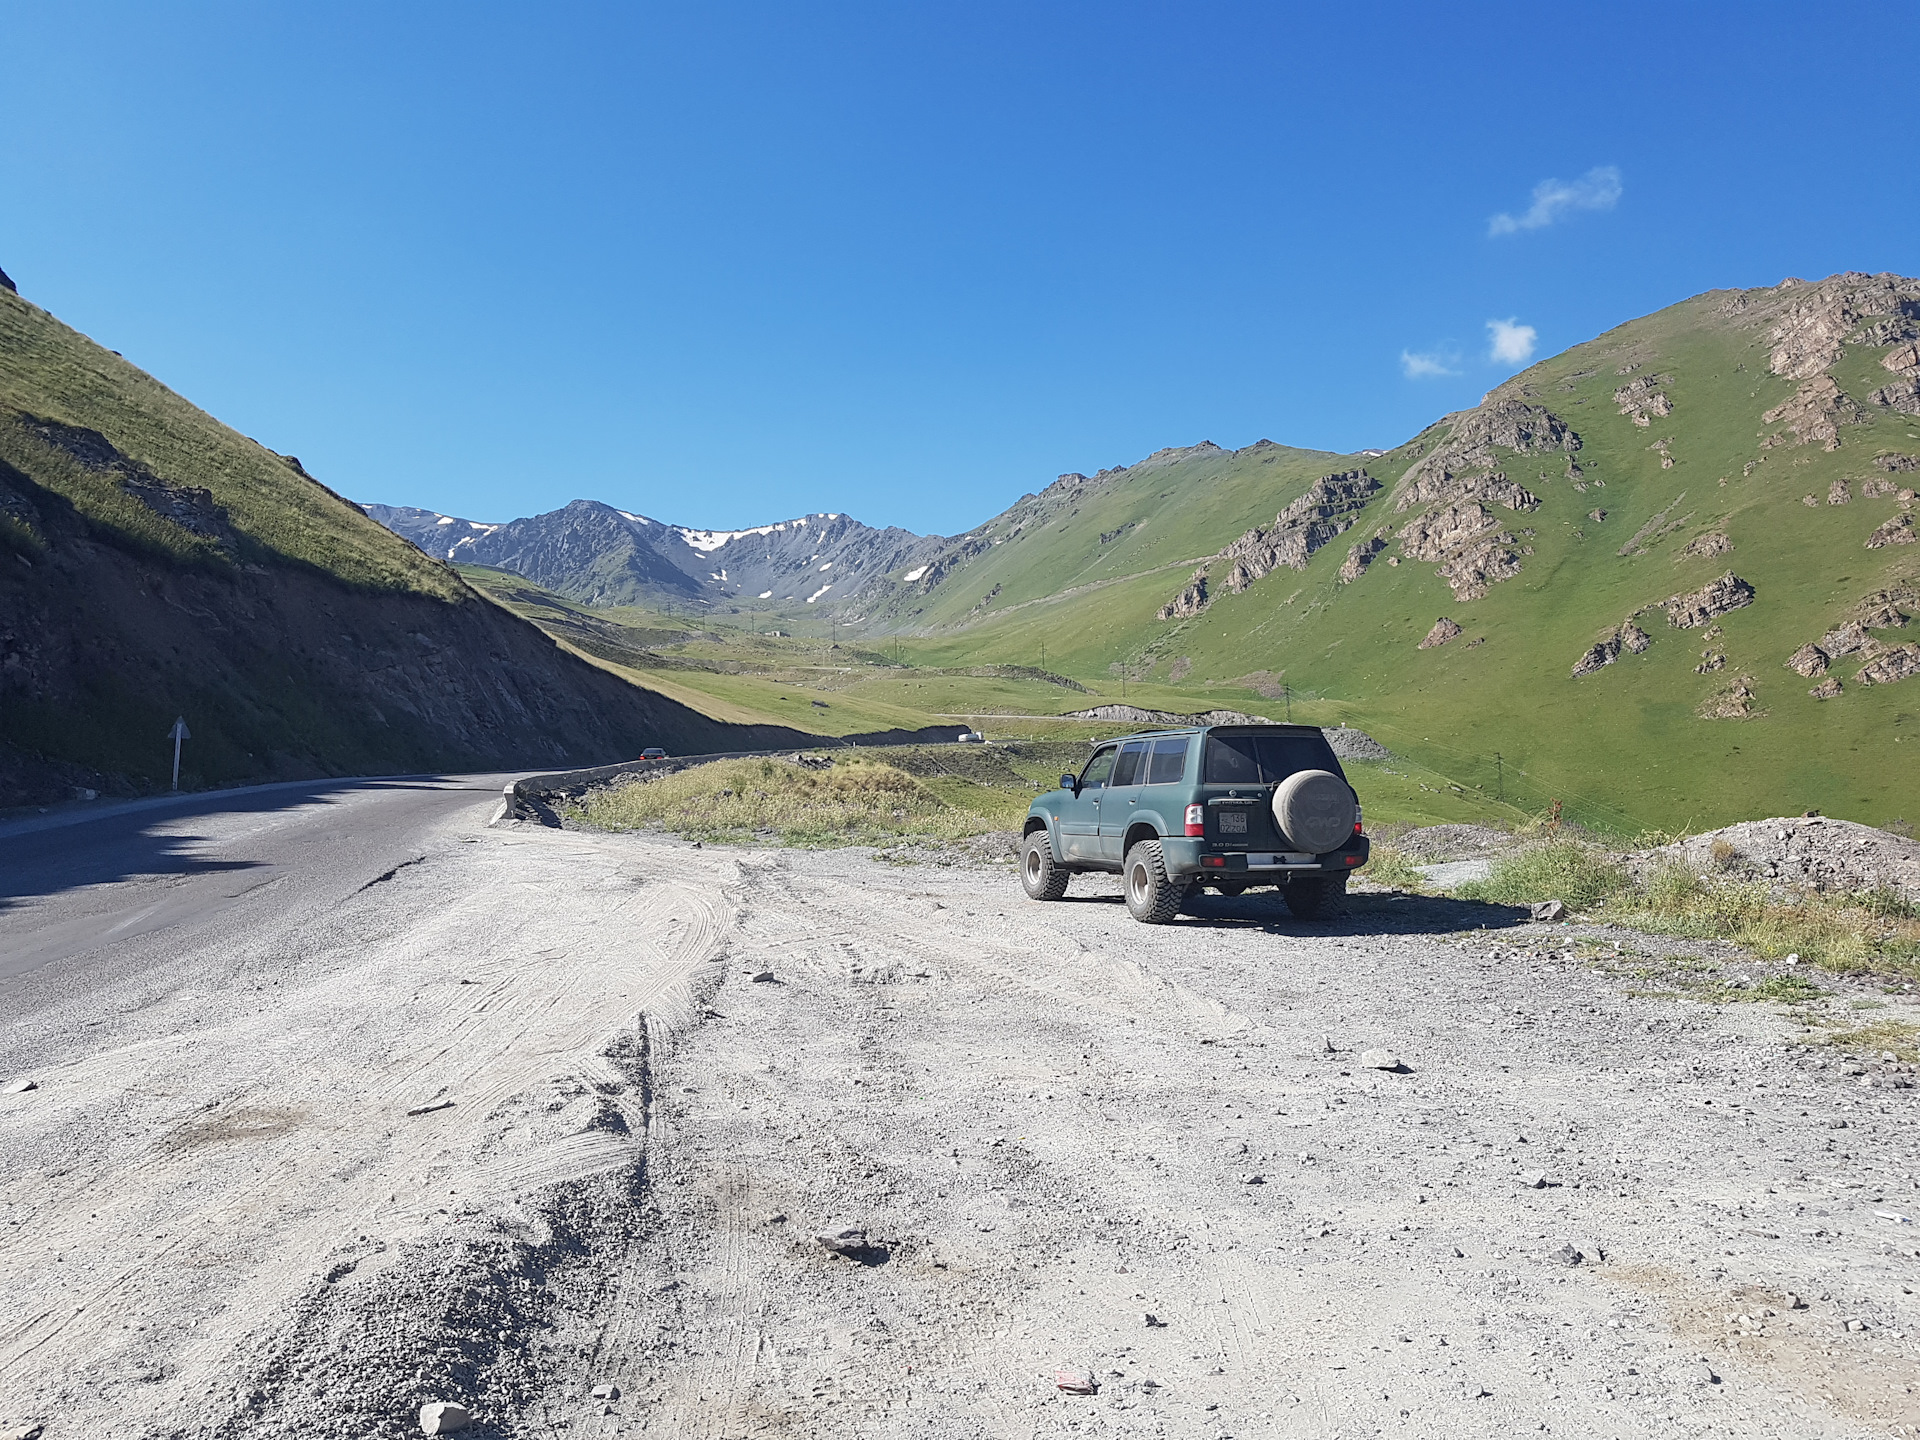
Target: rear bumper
x=1195, y=859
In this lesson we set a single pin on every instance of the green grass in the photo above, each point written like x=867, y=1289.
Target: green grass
x=853, y=801
x=53, y=373
x=1570, y=871
x=1622, y=750
x=1870, y=934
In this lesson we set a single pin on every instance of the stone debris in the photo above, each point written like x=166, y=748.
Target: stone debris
x=606, y=1392
x=851, y=1242
x=1894, y=462
x=1351, y=744
x=1701, y=1373
x=1378, y=1059
x=1802, y=853
x=1253, y=1179
x=1710, y=661
x=1902, y=396
x=1443, y=630
x=443, y=1417
x=1828, y=689
x=1628, y=638
x=764, y=977
x=23, y=1432
x=20, y=1087
x=1534, y=1179
x=1737, y=701
x=1839, y=493
x=1452, y=842
x=1152, y=1321
x=1548, y=912
x=1716, y=597
x=1808, y=660
x=1075, y=1382
x=1705, y=547
x=1566, y=1255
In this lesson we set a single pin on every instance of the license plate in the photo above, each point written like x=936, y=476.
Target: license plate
x=1233, y=822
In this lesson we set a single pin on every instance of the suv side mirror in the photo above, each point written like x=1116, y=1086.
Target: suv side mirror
x=1070, y=782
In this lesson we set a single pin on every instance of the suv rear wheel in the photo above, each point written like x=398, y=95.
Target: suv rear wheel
x=1152, y=897
x=1040, y=877
x=1307, y=898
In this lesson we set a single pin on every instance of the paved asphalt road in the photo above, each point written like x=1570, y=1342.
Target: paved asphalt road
x=89, y=904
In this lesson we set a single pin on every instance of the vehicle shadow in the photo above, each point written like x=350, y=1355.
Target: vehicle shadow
x=1373, y=913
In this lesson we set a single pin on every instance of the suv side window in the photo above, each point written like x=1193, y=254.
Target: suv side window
x=1098, y=769
x=1169, y=763
x=1126, y=770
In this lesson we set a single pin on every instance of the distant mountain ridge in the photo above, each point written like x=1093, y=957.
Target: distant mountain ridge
x=595, y=554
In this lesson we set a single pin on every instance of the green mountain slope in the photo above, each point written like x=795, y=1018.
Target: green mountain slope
x=153, y=563
x=1769, y=436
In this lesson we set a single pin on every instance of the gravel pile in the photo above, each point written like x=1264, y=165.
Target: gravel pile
x=1806, y=853
x=1453, y=842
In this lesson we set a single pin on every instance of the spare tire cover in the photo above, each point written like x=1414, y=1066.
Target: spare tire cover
x=1314, y=810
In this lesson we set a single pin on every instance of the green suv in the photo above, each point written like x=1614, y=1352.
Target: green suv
x=1223, y=807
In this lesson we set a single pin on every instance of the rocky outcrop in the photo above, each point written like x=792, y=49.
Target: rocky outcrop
x=1897, y=531
x=1626, y=638
x=1897, y=662
x=1472, y=572
x=6, y=283
x=1135, y=715
x=1443, y=487
x=1642, y=400
x=1894, y=462
x=1808, y=660
x=1827, y=689
x=1443, y=630
x=1190, y=601
x=188, y=506
x=1902, y=396
x=1813, y=321
x=1440, y=531
x=1716, y=597
x=1329, y=508
x=1360, y=556
x=1814, y=412
x=1846, y=639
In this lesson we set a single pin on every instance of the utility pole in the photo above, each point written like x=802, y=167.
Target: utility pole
x=177, y=734
x=1043, y=654
x=1500, y=772
x=1286, y=694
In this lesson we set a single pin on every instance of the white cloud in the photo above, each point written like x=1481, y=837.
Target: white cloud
x=1427, y=366
x=1509, y=343
x=1598, y=189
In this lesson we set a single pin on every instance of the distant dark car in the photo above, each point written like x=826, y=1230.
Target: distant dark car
x=653, y=752
x=1223, y=807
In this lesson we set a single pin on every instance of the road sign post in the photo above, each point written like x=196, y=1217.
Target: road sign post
x=177, y=734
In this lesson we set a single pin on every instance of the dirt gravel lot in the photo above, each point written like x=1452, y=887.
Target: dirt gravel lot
x=1150, y=1155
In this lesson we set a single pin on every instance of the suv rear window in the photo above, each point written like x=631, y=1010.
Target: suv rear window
x=1265, y=759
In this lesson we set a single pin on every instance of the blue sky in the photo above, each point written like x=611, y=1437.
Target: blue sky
x=726, y=263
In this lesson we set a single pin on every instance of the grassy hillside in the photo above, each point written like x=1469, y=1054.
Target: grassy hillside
x=1629, y=745
x=155, y=564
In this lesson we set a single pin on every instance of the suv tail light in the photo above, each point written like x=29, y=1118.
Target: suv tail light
x=1196, y=819
x=1357, y=821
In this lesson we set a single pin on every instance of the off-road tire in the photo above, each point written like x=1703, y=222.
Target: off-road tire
x=1041, y=876
x=1310, y=899
x=1153, y=898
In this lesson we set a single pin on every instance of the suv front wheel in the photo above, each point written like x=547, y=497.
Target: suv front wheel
x=1040, y=877
x=1152, y=897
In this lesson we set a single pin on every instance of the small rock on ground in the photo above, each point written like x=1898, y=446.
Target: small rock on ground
x=443, y=1417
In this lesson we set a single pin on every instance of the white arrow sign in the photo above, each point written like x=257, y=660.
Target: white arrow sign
x=177, y=734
